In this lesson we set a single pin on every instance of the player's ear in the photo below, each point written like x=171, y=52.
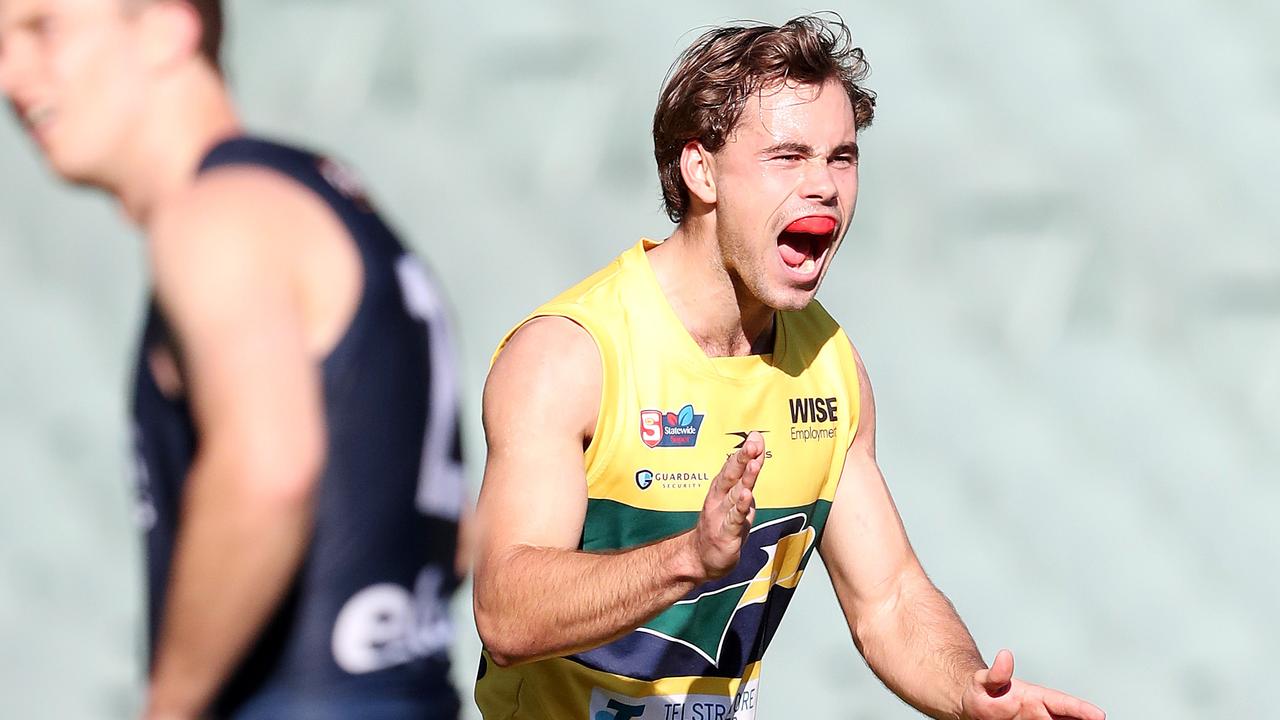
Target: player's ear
x=170, y=32
x=697, y=167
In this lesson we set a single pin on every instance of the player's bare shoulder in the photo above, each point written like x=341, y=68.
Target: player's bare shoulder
x=864, y=438
x=548, y=364
x=224, y=213
x=253, y=222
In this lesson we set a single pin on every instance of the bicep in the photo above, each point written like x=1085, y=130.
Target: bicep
x=540, y=402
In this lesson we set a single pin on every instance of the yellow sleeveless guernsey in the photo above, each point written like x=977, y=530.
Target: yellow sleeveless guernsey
x=669, y=417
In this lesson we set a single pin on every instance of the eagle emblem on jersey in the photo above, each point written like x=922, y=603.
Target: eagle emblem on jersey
x=774, y=557
x=722, y=626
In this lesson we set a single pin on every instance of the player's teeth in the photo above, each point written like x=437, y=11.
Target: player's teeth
x=807, y=266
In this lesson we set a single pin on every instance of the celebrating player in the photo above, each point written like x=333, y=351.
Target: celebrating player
x=295, y=407
x=672, y=438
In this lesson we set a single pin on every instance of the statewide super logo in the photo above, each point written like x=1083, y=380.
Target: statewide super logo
x=670, y=429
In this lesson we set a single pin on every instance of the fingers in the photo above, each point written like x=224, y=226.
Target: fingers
x=1062, y=705
x=740, y=497
x=732, y=491
x=997, y=680
x=743, y=465
x=753, y=470
x=741, y=512
x=745, y=501
x=733, y=470
x=753, y=449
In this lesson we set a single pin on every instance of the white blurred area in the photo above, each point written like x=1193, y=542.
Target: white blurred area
x=1064, y=277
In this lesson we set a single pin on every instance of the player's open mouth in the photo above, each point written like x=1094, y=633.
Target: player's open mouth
x=804, y=243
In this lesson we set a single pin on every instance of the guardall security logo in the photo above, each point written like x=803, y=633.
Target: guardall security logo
x=670, y=429
x=671, y=480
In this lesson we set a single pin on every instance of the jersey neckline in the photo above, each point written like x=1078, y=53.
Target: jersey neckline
x=674, y=335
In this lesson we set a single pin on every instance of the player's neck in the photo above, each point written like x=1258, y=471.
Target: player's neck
x=723, y=318
x=186, y=120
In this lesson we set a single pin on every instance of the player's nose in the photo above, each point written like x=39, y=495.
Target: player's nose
x=819, y=184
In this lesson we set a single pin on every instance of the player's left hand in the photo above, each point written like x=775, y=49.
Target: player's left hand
x=995, y=694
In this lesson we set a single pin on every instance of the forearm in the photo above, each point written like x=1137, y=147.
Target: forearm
x=916, y=643
x=237, y=551
x=535, y=602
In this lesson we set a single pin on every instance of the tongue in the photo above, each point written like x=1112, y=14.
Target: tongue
x=794, y=248
x=813, y=225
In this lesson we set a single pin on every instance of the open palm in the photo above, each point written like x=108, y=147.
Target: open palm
x=995, y=694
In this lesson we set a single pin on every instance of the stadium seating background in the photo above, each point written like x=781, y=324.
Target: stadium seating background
x=1064, y=277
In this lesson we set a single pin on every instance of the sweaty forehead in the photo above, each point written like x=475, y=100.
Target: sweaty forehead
x=815, y=114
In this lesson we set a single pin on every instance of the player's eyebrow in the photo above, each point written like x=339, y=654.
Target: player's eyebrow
x=789, y=148
x=847, y=148
x=798, y=148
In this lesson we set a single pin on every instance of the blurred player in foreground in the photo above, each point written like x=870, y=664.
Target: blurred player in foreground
x=295, y=406
x=626, y=568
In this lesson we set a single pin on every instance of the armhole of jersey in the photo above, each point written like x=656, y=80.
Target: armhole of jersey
x=279, y=170
x=848, y=369
x=363, y=254
x=849, y=365
x=604, y=434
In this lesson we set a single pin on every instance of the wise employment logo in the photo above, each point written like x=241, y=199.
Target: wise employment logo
x=669, y=429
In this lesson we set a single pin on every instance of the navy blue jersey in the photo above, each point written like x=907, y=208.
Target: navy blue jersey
x=364, y=629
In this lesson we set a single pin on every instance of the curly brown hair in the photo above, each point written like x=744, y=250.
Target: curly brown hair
x=707, y=88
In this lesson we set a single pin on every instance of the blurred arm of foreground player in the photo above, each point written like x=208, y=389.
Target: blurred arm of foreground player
x=228, y=279
x=903, y=625
x=536, y=594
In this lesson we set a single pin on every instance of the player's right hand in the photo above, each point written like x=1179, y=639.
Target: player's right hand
x=729, y=510
x=995, y=694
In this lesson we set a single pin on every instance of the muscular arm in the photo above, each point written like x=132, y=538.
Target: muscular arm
x=903, y=625
x=536, y=595
x=906, y=629
x=225, y=281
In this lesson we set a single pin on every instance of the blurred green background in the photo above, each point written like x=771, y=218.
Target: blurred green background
x=1064, y=277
